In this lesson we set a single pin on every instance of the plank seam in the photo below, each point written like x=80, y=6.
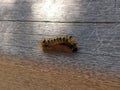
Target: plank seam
x=54, y=21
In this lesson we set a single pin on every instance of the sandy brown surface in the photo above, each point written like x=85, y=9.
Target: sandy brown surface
x=24, y=75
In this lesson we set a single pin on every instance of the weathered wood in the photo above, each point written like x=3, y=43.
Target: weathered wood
x=90, y=36
x=61, y=10
x=86, y=60
x=93, y=23
x=99, y=43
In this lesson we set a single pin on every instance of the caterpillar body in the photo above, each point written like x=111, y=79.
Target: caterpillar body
x=61, y=44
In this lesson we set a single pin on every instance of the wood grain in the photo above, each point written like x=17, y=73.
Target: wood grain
x=60, y=11
x=93, y=23
x=99, y=43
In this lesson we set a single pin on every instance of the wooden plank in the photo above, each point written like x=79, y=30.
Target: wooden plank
x=99, y=43
x=23, y=23
x=61, y=11
x=93, y=38
x=79, y=60
x=20, y=1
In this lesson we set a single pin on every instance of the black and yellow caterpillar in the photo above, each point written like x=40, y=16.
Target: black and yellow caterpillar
x=62, y=40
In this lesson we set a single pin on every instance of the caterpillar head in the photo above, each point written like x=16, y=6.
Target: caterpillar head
x=75, y=49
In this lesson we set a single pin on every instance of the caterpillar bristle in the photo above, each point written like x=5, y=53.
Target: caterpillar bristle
x=70, y=37
x=48, y=41
x=63, y=38
x=43, y=41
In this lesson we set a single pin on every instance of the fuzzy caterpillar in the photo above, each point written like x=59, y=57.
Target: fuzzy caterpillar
x=63, y=43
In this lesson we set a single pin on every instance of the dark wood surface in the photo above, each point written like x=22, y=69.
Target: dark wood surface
x=95, y=24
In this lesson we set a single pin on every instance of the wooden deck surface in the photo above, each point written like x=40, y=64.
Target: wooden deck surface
x=94, y=23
